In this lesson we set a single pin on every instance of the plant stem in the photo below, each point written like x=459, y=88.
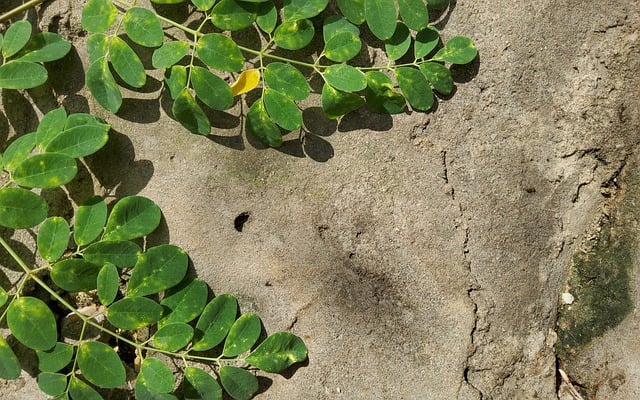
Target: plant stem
x=19, y=9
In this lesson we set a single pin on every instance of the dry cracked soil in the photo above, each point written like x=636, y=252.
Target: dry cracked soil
x=424, y=255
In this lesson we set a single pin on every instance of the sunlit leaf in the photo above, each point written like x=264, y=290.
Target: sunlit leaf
x=335, y=25
x=286, y=79
x=32, y=323
x=267, y=16
x=458, y=50
x=353, y=10
x=202, y=5
x=47, y=170
x=103, y=86
x=439, y=76
x=143, y=27
x=22, y=75
x=108, y=283
x=98, y=15
x=126, y=63
x=121, y=253
x=345, y=77
x=53, y=238
x=132, y=217
x=19, y=150
x=239, y=383
x=190, y=114
x=243, y=335
x=9, y=364
x=294, y=34
x=211, y=89
x=100, y=364
x=156, y=375
x=75, y=275
x=97, y=46
x=175, y=79
x=261, y=126
x=80, y=141
x=169, y=53
x=415, y=88
x=233, y=15
x=342, y=47
x=4, y=296
x=56, y=358
x=184, y=302
x=199, y=385
x=15, y=38
x=381, y=17
x=381, y=96
x=91, y=217
x=220, y=52
x=52, y=383
x=159, y=268
x=414, y=13
x=173, y=337
x=426, y=40
x=282, y=110
x=133, y=313
x=299, y=9
x=81, y=391
x=336, y=103
x=214, y=323
x=45, y=47
x=50, y=126
x=246, y=82
x=278, y=352
x=21, y=208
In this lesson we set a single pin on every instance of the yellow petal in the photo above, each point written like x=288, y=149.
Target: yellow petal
x=247, y=81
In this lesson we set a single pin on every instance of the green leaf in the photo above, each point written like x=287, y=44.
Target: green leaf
x=169, y=53
x=286, y=79
x=353, y=10
x=398, y=44
x=239, y=383
x=458, y=50
x=173, y=337
x=199, y=385
x=342, y=47
x=32, y=323
x=81, y=391
x=335, y=24
x=202, y=5
x=48, y=170
x=336, y=103
x=189, y=114
x=55, y=359
x=426, y=40
x=300, y=9
x=267, y=16
x=108, y=283
x=380, y=95
x=132, y=217
x=3, y=297
x=52, y=383
x=261, y=126
x=98, y=15
x=415, y=87
x=21, y=208
x=232, y=15
x=19, y=150
x=15, y=38
x=143, y=27
x=414, y=13
x=121, y=253
x=133, y=313
x=438, y=4
x=439, y=76
x=156, y=375
x=97, y=46
x=53, y=238
x=294, y=34
x=282, y=110
x=211, y=89
x=45, y=47
x=22, y=75
x=175, y=79
x=159, y=268
x=90, y=219
x=220, y=52
x=9, y=364
x=214, y=323
x=75, y=275
x=50, y=126
x=184, y=301
x=243, y=334
x=345, y=77
x=80, y=141
x=126, y=63
x=103, y=86
x=278, y=352
x=100, y=365
x=381, y=17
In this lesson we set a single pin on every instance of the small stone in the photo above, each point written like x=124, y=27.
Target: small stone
x=567, y=298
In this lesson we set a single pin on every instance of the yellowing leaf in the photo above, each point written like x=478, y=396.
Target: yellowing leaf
x=247, y=81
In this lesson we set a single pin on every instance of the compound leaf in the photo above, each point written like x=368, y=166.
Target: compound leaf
x=103, y=86
x=299, y=9
x=439, y=76
x=426, y=40
x=159, y=268
x=415, y=87
x=81, y=391
x=294, y=34
x=398, y=44
x=380, y=95
x=184, y=301
x=32, y=323
x=190, y=114
x=246, y=82
x=458, y=50
x=121, y=253
x=261, y=126
x=132, y=217
x=143, y=27
x=53, y=360
x=243, y=335
x=282, y=110
x=336, y=103
x=108, y=283
x=133, y=313
x=345, y=77
x=21, y=208
x=381, y=17
x=15, y=38
x=169, y=53
x=90, y=219
x=47, y=170
x=22, y=75
x=220, y=52
x=52, y=383
x=278, y=352
x=45, y=47
x=98, y=15
x=100, y=365
x=233, y=15
x=286, y=79
x=211, y=89
x=126, y=63
x=75, y=275
x=239, y=383
x=199, y=385
x=414, y=13
x=50, y=126
x=9, y=365
x=173, y=337
x=214, y=323
x=342, y=46
x=53, y=238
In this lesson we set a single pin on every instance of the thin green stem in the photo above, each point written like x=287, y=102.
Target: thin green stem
x=17, y=10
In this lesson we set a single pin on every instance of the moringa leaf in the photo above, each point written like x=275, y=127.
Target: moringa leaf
x=91, y=217
x=398, y=44
x=380, y=95
x=426, y=40
x=47, y=170
x=190, y=114
x=50, y=126
x=353, y=10
x=53, y=238
x=81, y=391
x=103, y=86
x=156, y=375
x=233, y=15
x=15, y=38
x=52, y=383
x=336, y=103
x=220, y=52
x=211, y=89
x=458, y=50
x=157, y=269
x=75, y=275
x=143, y=27
x=278, y=352
x=294, y=34
x=184, y=302
x=173, y=337
x=32, y=323
x=132, y=217
x=439, y=76
x=56, y=358
x=126, y=63
x=121, y=253
x=239, y=383
x=133, y=313
x=214, y=322
x=169, y=53
x=45, y=47
x=381, y=17
x=100, y=365
x=282, y=110
x=98, y=15
x=415, y=87
x=345, y=77
x=22, y=75
x=108, y=283
x=175, y=79
x=19, y=150
x=342, y=47
x=243, y=335
x=286, y=79
x=81, y=140
x=414, y=13
x=267, y=16
x=261, y=126
x=21, y=208
x=9, y=365
x=300, y=9
x=199, y=385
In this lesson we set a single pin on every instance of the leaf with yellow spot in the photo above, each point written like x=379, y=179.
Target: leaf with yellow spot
x=246, y=82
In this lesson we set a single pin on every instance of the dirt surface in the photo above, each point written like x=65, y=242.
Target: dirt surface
x=420, y=256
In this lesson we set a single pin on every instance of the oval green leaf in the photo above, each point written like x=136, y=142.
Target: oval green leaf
x=45, y=47
x=48, y=170
x=415, y=88
x=199, y=385
x=211, y=89
x=75, y=275
x=100, y=365
x=294, y=34
x=53, y=238
x=97, y=46
x=414, y=13
x=342, y=47
x=299, y=9
x=239, y=383
x=286, y=79
x=214, y=323
x=159, y=268
x=80, y=141
x=398, y=44
x=190, y=114
x=458, y=50
x=32, y=323
x=126, y=63
x=21, y=208
x=55, y=359
x=336, y=103
x=202, y=5
x=278, y=352
x=267, y=16
x=9, y=365
x=184, y=302
x=133, y=313
x=81, y=391
x=103, y=86
x=52, y=383
x=353, y=10
x=335, y=24
x=381, y=17
x=22, y=75
x=282, y=110
x=169, y=53
x=15, y=38
x=426, y=40
x=121, y=253
x=439, y=76
x=143, y=27
x=380, y=95
x=90, y=219
x=175, y=79
x=132, y=217
x=173, y=337
x=232, y=15
x=98, y=15
x=345, y=77
x=243, y=335
x=220, y=52
x=108, y=283
x=156, y=375
x=19, y=150
x=50, y=126
x=261, y=126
